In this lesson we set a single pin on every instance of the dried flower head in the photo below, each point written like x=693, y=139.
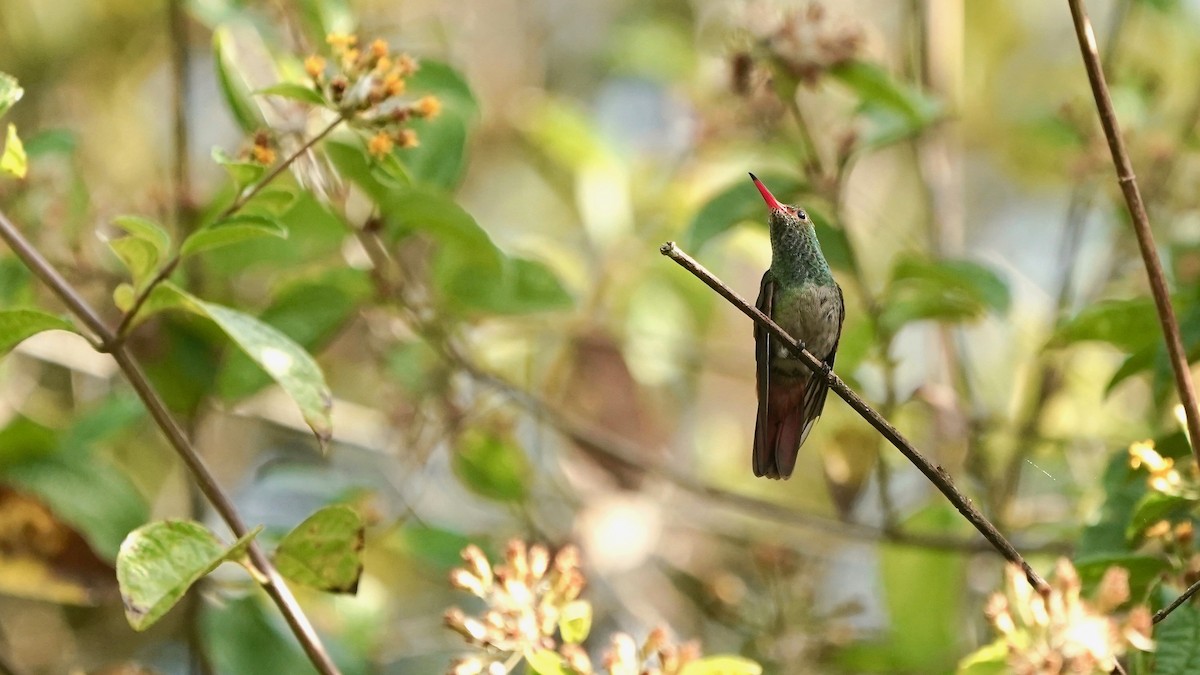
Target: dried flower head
x=525, y=596
x=807, y=41
x=1063, y=633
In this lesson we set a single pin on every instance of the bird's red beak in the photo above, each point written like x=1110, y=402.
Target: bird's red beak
x=769, y=198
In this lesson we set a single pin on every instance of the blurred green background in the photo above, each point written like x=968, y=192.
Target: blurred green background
x=997, y=313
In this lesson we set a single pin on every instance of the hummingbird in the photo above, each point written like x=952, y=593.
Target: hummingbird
x=799, y=293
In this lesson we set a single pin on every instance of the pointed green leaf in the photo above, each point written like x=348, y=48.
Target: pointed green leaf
x=243, y=173
x=10, y=92
x=1153, y=507
x=521, y=286
x=945, y=290
x=159, y=562
x=575, y=621
x=991, y=659
x=13, y=161
x=1129, y=325
x=144, y=228
x=546, y=662
x=139, y=256
x=17, y=325
x=894, y=109
x=124, y=296
x=492, y=466
x=324, y=551
x=232, y=231
x=233, y=87
x=292, y=368
x=736, y=204
x=353, y=163
x=294, y=91
x=722, y=665
x=434, y=213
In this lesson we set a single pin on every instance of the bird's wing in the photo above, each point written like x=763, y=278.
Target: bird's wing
x=817, y=388
x=764, y=454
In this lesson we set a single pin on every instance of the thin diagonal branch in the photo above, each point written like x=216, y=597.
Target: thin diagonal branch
x=936, y=474
x=245, y=196
x=1141, y=222
x=274, y=583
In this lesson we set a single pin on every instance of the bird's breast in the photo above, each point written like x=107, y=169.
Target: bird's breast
x=809, y=313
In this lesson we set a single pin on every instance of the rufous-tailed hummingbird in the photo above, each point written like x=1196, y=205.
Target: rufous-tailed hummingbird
x=798, y=292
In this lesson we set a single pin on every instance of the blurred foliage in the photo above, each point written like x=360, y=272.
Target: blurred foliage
x=404, y=296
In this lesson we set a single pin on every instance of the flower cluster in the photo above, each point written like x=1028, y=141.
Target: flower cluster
x=262, y=149
x=805, y=42
x=527, y=596
x=1164, y=477
x=367, y=86
x=656, y=656
x=1062, y=632
x=531, y=598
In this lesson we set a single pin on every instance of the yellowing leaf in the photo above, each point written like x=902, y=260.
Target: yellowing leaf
x=14, y=161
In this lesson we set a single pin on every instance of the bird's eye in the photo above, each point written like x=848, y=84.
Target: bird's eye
x=801, y=214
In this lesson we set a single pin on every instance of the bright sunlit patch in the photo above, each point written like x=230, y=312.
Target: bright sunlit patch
x=275, y=360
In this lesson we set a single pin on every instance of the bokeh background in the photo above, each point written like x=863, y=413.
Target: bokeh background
x=997, y=313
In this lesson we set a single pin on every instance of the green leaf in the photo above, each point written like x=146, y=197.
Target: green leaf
x=233, y=87
x=1143, y=571
x=17, y=325
x=352, y=161
x=322, y=17
x=311, y=312
x=287, y=363
x=324, y=551
x=895, y=110
x=1177, y=640
x=440, y=159
x=1123, y=488
x=722, y=665
x=434, y=546
x=1153, y=507
x=232, y=230
x=139, y=257
x=241, y=635
x=294, y=91
x=94, y=497
x=10, y=92
x=991, y=659
x=435, y=213
x=146, y=230
x=241, y=172
x=546, y=662
x=13, y=161
x=159, y=562
x=736, y=204
x=575, y=621
x=945, y=290
x=50, y=142
x=1130, y=325
x=492, y=466
x=522, y=286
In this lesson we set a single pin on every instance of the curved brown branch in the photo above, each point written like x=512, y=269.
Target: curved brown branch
x=274, y=583
x=1140, y=221
x=936, y=474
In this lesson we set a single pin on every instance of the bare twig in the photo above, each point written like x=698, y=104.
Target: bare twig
x=245, y=196
x=274, y=583
x=1177, y=602
x=1141, y=222
x=935, y=474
